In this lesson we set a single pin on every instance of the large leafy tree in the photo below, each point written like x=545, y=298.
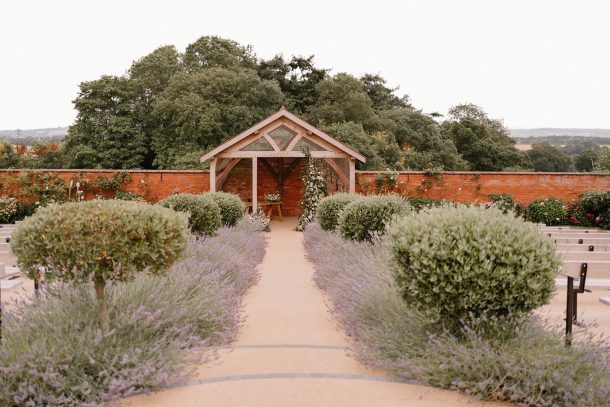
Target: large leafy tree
x=483, y=142
x=546, y=158
x=106, y=134
x=150, y=76
x=380, y=148
x=420, y=135
x=8, y=156
x=603, y=162
x=382, y=97
x=586, y=160
x=298, y=80
x=200, y=110
x=477, y=145
x=342, y=98
x=216, y=52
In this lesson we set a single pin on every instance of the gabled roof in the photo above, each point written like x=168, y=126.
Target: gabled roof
x=283, y=113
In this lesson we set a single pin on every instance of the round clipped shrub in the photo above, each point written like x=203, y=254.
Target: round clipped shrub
x=230, y=205
x=331, y=207
x=549, y=211
x=100, y=241
x=456, y=264
x=366, y=217
x=204, y=215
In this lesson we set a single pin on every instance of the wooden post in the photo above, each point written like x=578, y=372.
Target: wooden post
x=213, y=174
x=254, y=184
x=352, y=175
x=280, y=176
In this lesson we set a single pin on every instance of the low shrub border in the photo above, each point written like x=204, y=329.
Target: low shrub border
x=367, y=217
x=527, y=364
x=204, y=214
x=52, y=352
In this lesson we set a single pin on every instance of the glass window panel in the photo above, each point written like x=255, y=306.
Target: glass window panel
x=259, y=145
x=282, y=136
x=305, y=142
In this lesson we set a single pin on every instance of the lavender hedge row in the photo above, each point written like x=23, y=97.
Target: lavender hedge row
x=52, y=352
x=527, y=363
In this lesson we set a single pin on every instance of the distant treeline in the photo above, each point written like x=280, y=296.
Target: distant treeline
x=45, y=134
x=30, y=141
x=564, y=140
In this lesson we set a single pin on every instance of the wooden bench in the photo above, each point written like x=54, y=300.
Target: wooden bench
x=572, y=298
x=271, y=206
x=595, y=269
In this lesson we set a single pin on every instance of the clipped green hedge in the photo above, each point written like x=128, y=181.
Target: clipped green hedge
x=204, y=213
x=464, y=263
x=363, y=218
x=109, y=239
x=549, y=211
x=330, y=208
x=230, y=205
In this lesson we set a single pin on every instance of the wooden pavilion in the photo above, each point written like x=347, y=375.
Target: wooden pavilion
x=281, y=137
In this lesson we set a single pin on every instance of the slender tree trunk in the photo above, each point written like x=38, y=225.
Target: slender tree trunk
x=99, y=284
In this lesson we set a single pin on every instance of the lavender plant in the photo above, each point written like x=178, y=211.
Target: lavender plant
x=526, y=363
x=53, y=354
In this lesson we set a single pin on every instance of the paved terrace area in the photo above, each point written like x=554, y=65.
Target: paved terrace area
x=290, y=351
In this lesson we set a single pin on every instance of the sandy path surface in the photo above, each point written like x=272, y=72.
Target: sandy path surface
x=291, y=353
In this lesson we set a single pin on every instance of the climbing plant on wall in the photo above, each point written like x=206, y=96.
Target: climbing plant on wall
x=314, y=189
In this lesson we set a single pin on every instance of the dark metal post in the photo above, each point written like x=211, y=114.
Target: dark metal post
x=569, y=311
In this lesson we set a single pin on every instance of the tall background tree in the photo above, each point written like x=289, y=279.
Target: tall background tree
x=484, y=142
x=546, y=158
x=171, y=107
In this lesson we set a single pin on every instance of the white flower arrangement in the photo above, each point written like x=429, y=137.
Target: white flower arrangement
x=271, y=198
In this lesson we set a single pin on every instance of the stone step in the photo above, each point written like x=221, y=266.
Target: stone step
x=584, y=256
x=10, y=284
x=583, y=241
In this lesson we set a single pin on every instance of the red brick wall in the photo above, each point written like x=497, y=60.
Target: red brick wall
x=474, y=187
x=455, y=186
x=153, y=185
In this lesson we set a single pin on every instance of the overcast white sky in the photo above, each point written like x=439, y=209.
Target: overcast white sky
x=534, y=63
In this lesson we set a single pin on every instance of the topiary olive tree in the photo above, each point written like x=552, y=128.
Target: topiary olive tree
x=204, y=215
x=461, y=263
x=230, y=205
x=363, y=218
x=330, y=208
x=99, y=241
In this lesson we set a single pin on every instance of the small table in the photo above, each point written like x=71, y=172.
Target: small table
x=269, y=211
